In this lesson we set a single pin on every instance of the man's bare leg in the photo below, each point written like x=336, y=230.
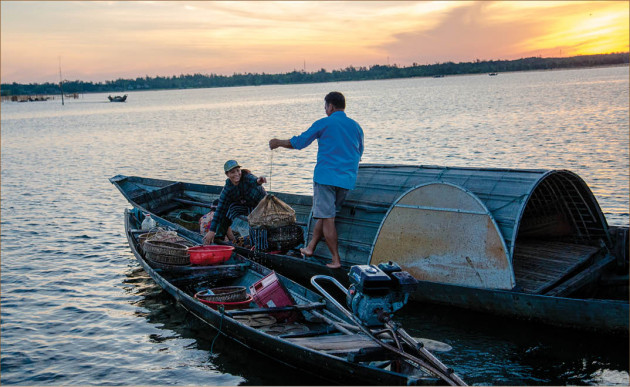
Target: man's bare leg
x=317, y=236
x=330, y=234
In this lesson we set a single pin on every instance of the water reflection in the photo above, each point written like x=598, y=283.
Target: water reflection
x=74, y=311
x=181, y=333
x=503, y=351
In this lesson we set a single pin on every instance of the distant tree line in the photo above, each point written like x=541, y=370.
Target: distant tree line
x=348, y=74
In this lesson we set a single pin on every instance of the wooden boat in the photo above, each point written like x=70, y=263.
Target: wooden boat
x=117, y=98
x=317, y=336
x=529, y=244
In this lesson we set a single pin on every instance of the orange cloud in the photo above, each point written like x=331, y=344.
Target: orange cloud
x=108, y=40
x=512, y=30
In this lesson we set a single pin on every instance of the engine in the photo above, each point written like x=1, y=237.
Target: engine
x=377, y=292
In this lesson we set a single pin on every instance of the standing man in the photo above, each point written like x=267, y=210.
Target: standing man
x=340, y=147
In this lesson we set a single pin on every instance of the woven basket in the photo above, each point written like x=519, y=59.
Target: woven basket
x=143, y=238
x=271, y=212
x=166, y=248
x=285, y=238
x=164, y=266
x=167, y=259
x=224, y=294
x=163, y=236
x=274, y=220
x=278, y=238
x=167, y=252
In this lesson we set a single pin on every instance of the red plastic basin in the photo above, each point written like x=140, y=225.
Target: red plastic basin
x=209, y=255
x=226, y=305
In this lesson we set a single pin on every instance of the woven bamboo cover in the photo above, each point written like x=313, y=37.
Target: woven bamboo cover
x=271, y=212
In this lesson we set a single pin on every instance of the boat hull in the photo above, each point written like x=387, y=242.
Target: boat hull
x=331, y=369
x=601, y=315
x=586, y=314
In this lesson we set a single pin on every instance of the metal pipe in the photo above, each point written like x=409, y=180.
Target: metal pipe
x=331, y=322
x=340, y=321
x=328, y=296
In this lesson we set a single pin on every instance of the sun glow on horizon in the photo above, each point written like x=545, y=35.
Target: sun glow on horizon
x=100, y=41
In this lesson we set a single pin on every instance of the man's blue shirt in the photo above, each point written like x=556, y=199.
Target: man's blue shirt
x=340, y=147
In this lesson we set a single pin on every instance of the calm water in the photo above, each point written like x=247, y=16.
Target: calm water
x=75, y=308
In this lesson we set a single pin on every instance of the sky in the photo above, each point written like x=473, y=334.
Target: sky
x=99, y=41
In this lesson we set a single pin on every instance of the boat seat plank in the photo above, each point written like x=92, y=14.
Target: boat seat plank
x=305, y=307
x=346, y=343
x=539, y=265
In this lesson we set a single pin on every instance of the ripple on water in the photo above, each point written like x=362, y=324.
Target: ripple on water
x=77, y=310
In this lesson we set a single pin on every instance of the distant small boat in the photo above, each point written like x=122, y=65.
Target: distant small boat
x=492, y=74
x=117, y=98
x=438, y=76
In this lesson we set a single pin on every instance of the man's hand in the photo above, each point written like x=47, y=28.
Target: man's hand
x=209, y=238
x=275, y=143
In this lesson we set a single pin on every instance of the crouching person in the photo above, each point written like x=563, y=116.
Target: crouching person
x=240, y=195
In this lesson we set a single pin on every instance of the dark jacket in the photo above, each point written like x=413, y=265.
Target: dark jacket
x=246, y=193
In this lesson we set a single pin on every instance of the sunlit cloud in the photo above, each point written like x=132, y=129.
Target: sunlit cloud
x=108, y=40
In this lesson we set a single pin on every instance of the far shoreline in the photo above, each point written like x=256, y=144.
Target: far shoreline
x=350, y=74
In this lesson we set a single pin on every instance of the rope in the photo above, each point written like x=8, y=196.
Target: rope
x=222, y=310
x=270, y=169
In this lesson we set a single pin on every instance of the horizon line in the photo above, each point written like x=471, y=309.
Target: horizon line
x=394, y=65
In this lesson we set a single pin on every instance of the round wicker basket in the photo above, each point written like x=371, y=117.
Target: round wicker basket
x=166, y=252
x=162, y=236
x=143, y=237
x=164, y=266
x=224, y=294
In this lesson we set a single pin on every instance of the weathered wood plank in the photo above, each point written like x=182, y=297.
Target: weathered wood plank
x=587, y=276
x=540, y=265
x=336, y=342
x=289, y=308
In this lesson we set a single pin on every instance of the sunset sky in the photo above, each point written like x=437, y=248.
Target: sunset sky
x=106, y=40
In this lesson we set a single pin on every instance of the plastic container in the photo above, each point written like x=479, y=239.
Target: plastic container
x=269, y=293
x=148, y=223
x=209, y=255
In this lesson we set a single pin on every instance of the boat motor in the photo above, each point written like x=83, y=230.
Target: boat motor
x=377, y=292
x=374, y=295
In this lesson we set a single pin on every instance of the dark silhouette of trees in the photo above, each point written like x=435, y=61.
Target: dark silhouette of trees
x=350, y=73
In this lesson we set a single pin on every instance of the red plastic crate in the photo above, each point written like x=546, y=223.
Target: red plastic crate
x=269, y=293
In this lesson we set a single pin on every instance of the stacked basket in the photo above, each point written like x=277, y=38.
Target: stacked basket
x=272, y=226
x=168, y=253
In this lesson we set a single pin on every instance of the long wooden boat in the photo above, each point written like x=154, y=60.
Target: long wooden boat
x=529, y=244
x=317, y=337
